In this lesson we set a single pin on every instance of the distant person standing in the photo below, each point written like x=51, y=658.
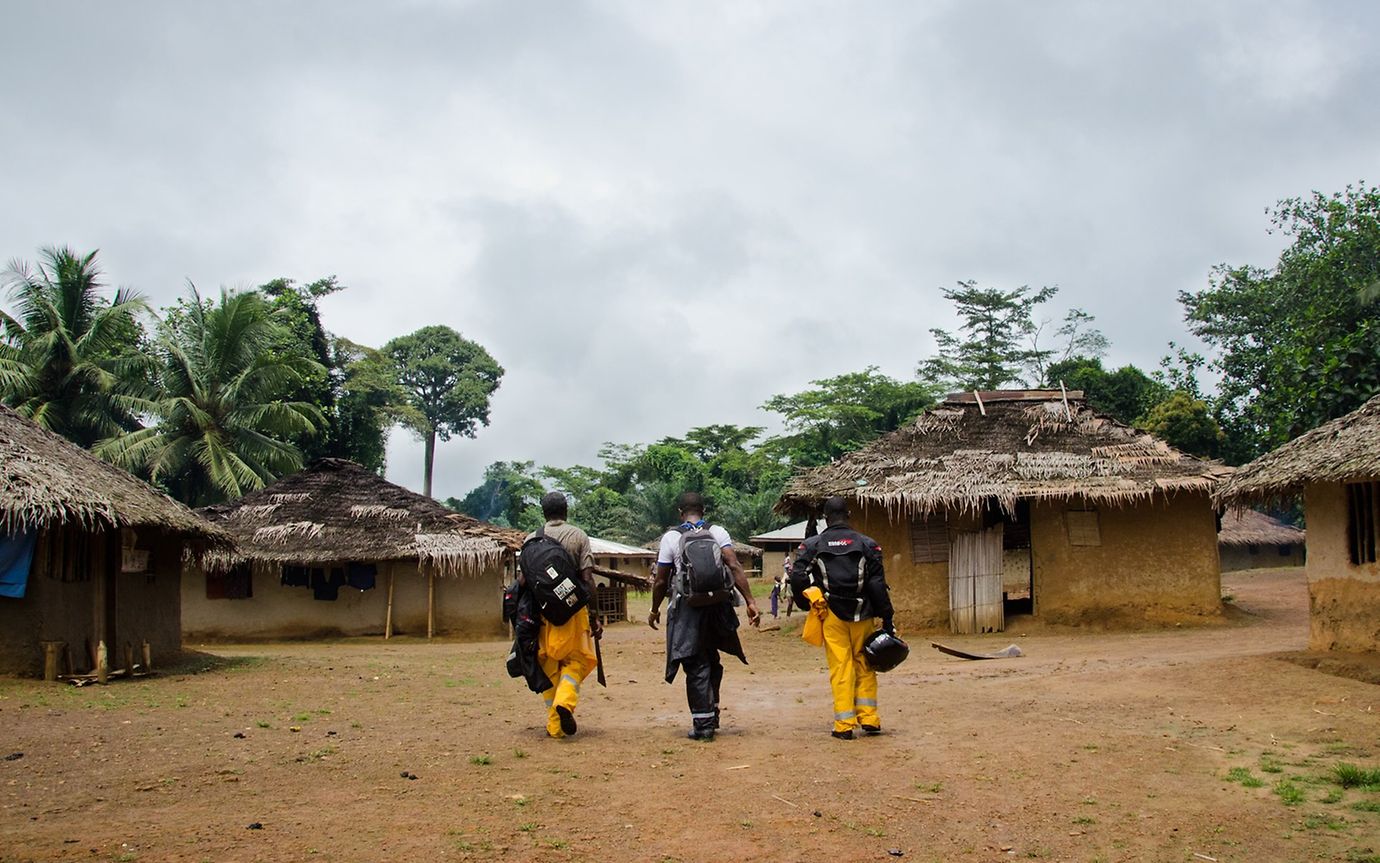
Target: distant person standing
x=843, y=568
x=697, y=568
x=566, y=649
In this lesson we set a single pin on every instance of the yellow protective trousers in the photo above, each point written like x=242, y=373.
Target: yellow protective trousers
x=853, y=683
x=566, y=654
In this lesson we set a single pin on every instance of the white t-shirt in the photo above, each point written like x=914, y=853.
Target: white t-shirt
x=669, y=553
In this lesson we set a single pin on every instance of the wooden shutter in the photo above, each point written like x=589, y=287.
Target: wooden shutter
x=929, y=541
x=1083, y=528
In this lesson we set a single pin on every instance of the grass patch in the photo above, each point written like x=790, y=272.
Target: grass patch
x=1349, y=775
x=929, y=787
x=1270, y=765
x=1288, y=793
x=1333, y=796
x=1243, y=776
x=481, y=759
x=1313, y=822
x=519, y=753
x=1083, y=819
x=528, y=827
x=1366, y=806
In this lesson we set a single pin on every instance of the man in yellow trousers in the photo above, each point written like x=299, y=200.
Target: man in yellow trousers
x=566, y=650
x=842, y=571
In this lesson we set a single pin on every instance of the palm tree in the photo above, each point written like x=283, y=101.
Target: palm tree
x=222, y=427
x=67, y=355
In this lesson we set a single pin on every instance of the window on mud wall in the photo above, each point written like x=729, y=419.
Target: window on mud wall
x=238, y=583
x=1082, y=526
x=1360, y=517
x=929, y=540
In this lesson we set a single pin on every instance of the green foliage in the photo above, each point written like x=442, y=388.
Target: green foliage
x=69, y=358
x=1244, y=777
x=1186, y=423
x=1298, y=343
x=448, y=380
x=508, y=496
x=222, y=425
x=1289, y=793
x=1125, y=394
x=838, y=415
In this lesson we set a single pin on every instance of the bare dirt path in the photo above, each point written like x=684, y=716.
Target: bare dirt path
x=1111, y=747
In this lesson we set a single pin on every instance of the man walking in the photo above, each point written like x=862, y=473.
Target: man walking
x=845, y=567
x=566, y=650
x=696, y=565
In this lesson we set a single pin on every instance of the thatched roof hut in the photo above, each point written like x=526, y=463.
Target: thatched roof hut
x=94, y=558
x=310, y=549
x=1029, y=502
x=1247, y=527
x=1346, y=449
x=1005, y=446
x=1335, y=470
x=47, y=480
x=335, y=510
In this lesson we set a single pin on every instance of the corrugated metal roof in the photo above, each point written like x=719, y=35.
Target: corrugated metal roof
x=789, y=533
x=607, y=547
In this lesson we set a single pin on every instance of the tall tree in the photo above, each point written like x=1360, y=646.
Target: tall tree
x=448, y=380
x=995, y=328
x=838, y=415
x=222, y=426
x=1298, y=343
x=69, y=357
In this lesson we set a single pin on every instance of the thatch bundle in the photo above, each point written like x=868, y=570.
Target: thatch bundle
x=1248, y=527
x=46, y=480
x=1004, y=446
x=335, y=511
x=1343, y=450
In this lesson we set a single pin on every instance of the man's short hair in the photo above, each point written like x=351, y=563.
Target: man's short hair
x=690, y=501
x=554, y=505
x=835, y=508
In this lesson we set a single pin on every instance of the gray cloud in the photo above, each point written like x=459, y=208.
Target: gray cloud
x=618, y=197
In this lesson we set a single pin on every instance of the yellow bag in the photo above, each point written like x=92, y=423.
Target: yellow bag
x=813, y=631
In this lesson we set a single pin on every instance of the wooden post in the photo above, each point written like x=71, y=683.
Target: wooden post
x=148, y=658
x=129, y=659
x=102, y=663
x=388, y=621
x=52, y=651
x=430, y=605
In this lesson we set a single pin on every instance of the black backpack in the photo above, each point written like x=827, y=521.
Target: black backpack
x=843, y=557
x=553, y=577
x=704, y=577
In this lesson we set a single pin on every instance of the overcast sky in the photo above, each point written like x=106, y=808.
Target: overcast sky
x=618, y=199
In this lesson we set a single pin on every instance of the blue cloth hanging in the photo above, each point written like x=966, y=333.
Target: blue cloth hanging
x=16, y=556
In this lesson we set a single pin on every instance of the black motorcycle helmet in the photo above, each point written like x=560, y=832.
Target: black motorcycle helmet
x=884, y=651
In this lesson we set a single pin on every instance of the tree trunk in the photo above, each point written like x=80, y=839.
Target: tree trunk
x=430, y=457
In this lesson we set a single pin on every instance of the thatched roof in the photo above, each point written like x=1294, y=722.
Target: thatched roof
x=1248, y=527
x=336, y=511
x=1343, y=450
x=46, y=479
x=1024, y=445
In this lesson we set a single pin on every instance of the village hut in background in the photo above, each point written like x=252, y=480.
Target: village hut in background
x=1335, y=469
x=1029, y=501
x=617, y=568
x=336, y=550
x=1253, y=540
x=90, y=559
x=779, y=545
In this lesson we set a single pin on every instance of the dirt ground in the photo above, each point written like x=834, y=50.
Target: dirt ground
x=1110, y=747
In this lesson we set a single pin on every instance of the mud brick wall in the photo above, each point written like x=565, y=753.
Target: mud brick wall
x=1343, y=597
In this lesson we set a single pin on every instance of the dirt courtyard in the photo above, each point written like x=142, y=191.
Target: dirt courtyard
x=1184, y=745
